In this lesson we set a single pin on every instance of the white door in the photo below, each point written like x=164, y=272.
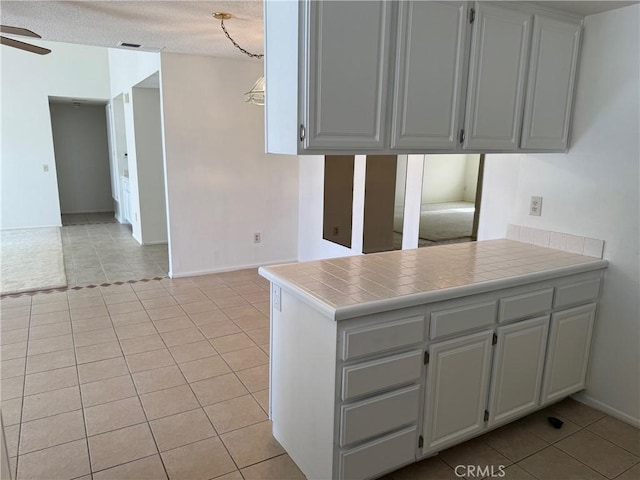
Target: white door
x=497, y=74
x=429, y=70
x=457, y=387
x=552, y=75
x=347, y=68
x=517, y=372
x=565, y=370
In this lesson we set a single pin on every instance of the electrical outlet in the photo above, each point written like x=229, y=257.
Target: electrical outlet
x=535, y=207
x=45, y=168
x=277, y=305
x=135, y=216
x=336, y=231
x=257, y=237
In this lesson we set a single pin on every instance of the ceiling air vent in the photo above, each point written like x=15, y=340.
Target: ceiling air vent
x=129, y=45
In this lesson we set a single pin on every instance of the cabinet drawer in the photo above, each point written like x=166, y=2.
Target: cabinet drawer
x=375, y=416
x=379, y=338
x=525, y=305
x=381, y=374
x=461, y=319
x=380, y=456
x=577, y=293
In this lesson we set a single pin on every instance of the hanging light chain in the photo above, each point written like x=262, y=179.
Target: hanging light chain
x=252, y=55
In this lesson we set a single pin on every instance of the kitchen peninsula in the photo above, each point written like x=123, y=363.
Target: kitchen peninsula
x=381, y=360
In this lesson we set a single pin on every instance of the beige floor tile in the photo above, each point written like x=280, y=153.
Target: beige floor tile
x=198, y=461
x=163, y=313
x=256, y=378
x=152, y=303
x=277, y=468
x=11, y=387
x=538, y=424
x=69, y=460
x=49, y=307
x=13, y=351
x=86, y=302
x=431, y=468
x=149, y=360
x=12, y=368
x=147, y=291
x=241, y=311
x=247, y=358
x=202, y=306
x=219, y=291
x=130, y=318
x=266, y=348
x=192, y=351
x=178, y=430
x=252, y=323
x=121, y=446
x=125, y=307
x=51, y=403
x=168, y=402
x=94, y=371
x=49, y=297
x=12, y=436
x=147, y=343
x=553, y=464
x=47, y=318
x=158, y=379
x=235, y=475
x=182, y=337
x=514, y=442
x=632, y=474
x=234, y=414
x=51, y=380
x=113, y=415
x=115, y=298
x=98, y=323
x=263, y=307
x=94, y=353
x=248, y=288
x=14, y=336
x=48, y=345
x=190, y=297
x=620, y=433
x=230, y=343
x=262, y=397
x=204, y=368
x=9, y=324
x=577, y=412
x=260, y=336
x=132, y=331
x=515, y=472
x=50, y=330
x=252, y=444
x=218, y=389
x=175, y=323
x=11, y=411
x=219, y=329
x=89, y=312
x=474, y=452
x=598, y=453
x=50, y=361
x=94, y=337
x=50, y=431
x=230, y=302
x=108, y=390
x=211, y=316
x=148, y=468
x=257, y=297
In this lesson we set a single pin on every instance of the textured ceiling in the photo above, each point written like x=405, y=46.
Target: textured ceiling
x=172, y=26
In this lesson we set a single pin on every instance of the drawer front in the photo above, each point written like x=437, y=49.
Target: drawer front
x=381, y=374
x=385, y=336
x=525, y=305
x=378, y=415
x=380, y=456
x=577, y=293
x=461, y=319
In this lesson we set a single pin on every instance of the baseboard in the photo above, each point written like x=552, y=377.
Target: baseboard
x=159, y=242
x=29, y=228
x=614, y=412
x=196, y=273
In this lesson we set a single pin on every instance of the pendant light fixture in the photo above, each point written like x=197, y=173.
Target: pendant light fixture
x=256, y=94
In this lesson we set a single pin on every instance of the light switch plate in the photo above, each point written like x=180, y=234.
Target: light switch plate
x=277, y=305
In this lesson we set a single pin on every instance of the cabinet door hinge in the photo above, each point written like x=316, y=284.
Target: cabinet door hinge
x=486, y=415
x=420, y=441
x=495, y=339
x=461, y=136
x=303, y=132
x=426, y=357
x=472, y=15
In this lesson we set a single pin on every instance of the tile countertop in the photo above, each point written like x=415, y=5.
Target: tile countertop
x=347, y=287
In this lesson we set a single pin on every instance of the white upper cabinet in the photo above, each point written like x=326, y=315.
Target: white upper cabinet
x=497, y=75
x=552, y=73
x=347, y=74
x=427, y=100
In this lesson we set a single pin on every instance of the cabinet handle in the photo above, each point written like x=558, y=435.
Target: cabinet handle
x=302, y=132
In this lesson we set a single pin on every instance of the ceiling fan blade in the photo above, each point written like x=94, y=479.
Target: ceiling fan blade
x=10, y=42
x=18, y=31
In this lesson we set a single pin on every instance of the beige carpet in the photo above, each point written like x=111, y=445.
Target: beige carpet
x=31, y=259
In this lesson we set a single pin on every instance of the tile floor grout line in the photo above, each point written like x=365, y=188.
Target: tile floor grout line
x=24, y=386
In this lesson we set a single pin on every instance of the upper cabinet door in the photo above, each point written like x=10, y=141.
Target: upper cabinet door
x=497, y=74
x=430, y=60
x=552, y=73
x=347, y=68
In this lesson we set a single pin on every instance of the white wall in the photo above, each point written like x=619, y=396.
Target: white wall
x=82, y=157
x=471, y=178
x=29, y=196
x=221, y=186
x=444, y=177
x=128, y=68
x=592, y=191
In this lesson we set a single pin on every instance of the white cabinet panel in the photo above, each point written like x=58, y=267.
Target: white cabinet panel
x=517, y=372
x=552, y=73
x=457, y=388
x=347, y=74
x=497, y=74
x=565, y=369
x=429, y=74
